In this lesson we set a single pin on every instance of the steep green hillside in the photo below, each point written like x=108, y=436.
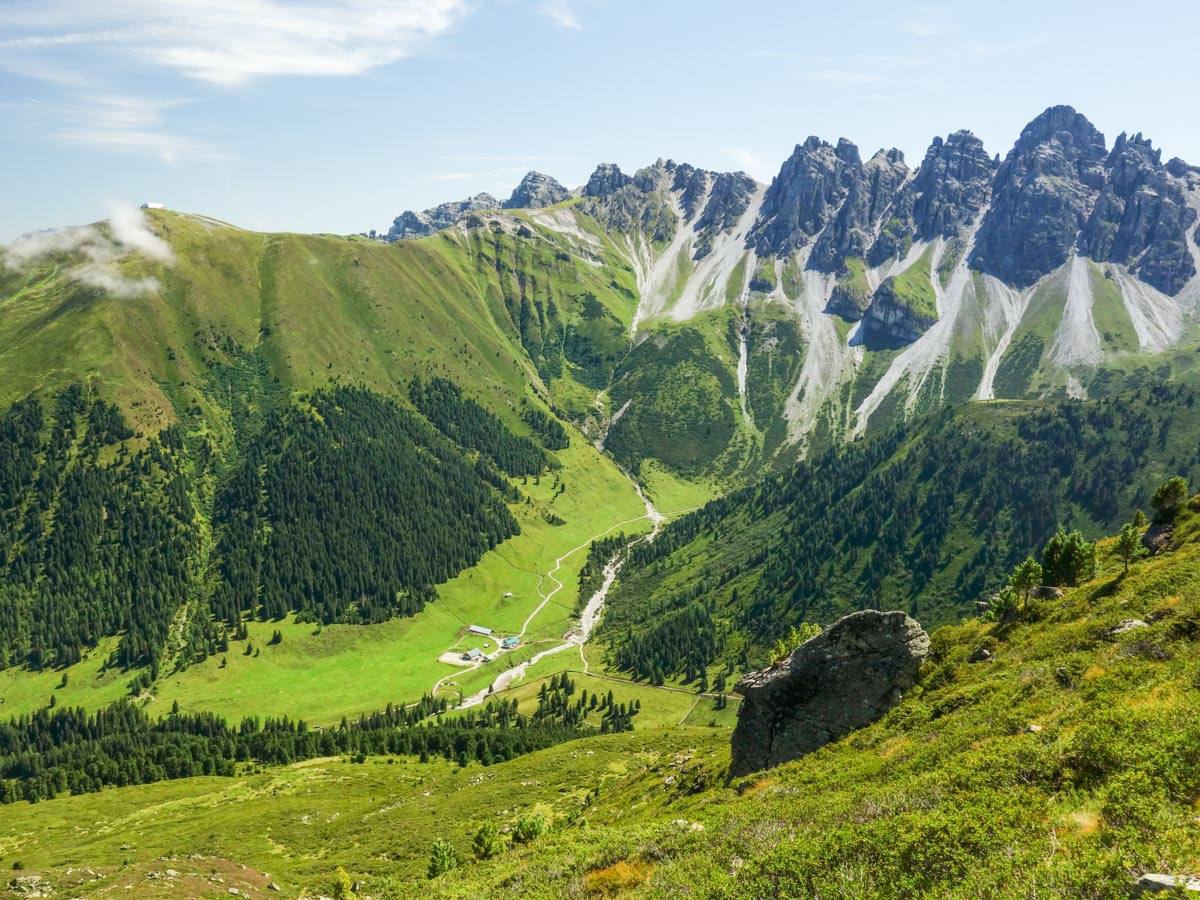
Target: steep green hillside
x=285, y=424
x=1065, y=764
x=928, y=517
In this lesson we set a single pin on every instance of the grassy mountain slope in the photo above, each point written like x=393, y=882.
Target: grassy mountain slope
x=1061, y=767
x=243, y=328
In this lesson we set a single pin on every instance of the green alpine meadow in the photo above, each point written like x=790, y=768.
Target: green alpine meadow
x=384, y=517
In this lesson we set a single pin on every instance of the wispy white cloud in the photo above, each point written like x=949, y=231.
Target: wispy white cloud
x=231, y=42
x=753, y=165
x=123, y=123
x=561, y=14
x=100, y=251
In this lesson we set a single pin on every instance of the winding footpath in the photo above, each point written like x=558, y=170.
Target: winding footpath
x=590, y=616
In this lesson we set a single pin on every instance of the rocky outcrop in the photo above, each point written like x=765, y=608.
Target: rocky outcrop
x=1044, y=193
x=1141, y=217
x=853, y=230
x=607, y=179
x=841, y=680
x=537, y=191
x=410, y=225
x=897, y=316
x=805, y=196
x=849, y=299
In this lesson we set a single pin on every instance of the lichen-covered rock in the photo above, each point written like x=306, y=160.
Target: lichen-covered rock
x=537, y=191
x=841, y=680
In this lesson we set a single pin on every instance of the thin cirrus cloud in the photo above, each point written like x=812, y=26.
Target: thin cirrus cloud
x=126, y=123
x=86, y=49
x=232, y=42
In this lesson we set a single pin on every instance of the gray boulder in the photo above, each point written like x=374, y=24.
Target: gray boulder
x=1164, y=884
x=1126, y=625
x=841, y=680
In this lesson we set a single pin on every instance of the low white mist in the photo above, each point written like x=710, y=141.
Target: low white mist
x=128, y=233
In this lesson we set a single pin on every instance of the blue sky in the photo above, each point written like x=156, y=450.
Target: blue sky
x=335, y=115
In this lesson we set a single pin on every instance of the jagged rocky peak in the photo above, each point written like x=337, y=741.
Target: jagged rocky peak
x=947, y=194
x=607, y=179
x=870, y=197
x=537, y=191
x=952, y=186
x=1141, y=217
x=410, y=225
x=628, y=204
x=656, y=198
x=805, y=195
x=689, y=183
x=1042, y=197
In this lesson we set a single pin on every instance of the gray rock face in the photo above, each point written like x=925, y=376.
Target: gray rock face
x=947, y=194
x=872, y=192
x=1141, y=217
x=842, y=679
x=805, y=195
x=537, y=191
x=952, y=186
x=626, y=204
x=1043, y=195
x=728, y=199
x=410, y=225
x=607, y=179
